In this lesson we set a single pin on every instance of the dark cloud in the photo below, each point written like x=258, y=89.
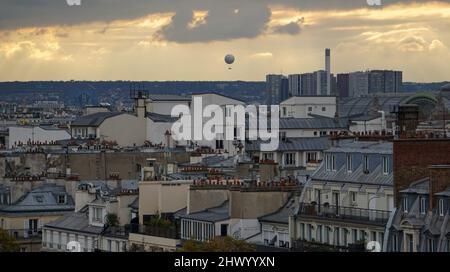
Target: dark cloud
x=293, y=28
x=222, y=22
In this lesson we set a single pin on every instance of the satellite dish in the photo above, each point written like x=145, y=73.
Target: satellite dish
x=229, y=59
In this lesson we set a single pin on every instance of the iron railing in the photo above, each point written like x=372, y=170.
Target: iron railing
x=345, y=213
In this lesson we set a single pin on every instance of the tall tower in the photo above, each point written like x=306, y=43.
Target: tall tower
x=328, y=69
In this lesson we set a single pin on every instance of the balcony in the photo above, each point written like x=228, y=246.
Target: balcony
x=171, y=232
x=20, y=234
x=339, y=213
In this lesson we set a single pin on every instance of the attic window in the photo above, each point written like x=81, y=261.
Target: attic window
x=39, y=199
x=62, y=199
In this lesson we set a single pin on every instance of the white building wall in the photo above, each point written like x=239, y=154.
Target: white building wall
x=163, y=107
x=36, y=134
x=302, y=106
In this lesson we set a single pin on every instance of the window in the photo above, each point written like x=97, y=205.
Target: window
x=109, y=245
x=62, y=199
x=97, y=214
x=353, y=196
x=319, y=234
x=441, y=207
x=315, y=133
x=228, y=111
x=310, y=109
x=354, y=235
x=283, y=135
x=362, y=235
x=311, y=157
x=289, y=159
x=405, y=204
x=423, y=205
x=395, y=242
x=333, y=163
x=267, y=156
x=430, y=245
x=309, y=232
x=327, y=162
x=219, y=144
x=385, y=165
x=324, y=108
x=349, y=163
x=409, y=243
x=366, y=164
x=302, y=232
x=284, y=111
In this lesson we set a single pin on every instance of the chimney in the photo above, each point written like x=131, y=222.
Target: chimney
x=328, y=69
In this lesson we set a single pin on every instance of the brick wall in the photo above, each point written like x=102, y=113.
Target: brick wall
x=413, y=157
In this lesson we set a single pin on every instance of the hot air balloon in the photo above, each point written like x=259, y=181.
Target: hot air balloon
x=229, y=59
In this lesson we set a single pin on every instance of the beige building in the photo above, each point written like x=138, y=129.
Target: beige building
x=25, y=218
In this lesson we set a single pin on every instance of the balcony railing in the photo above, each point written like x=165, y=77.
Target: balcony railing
x=25, y=233
x=170, y=232
x=345, y=213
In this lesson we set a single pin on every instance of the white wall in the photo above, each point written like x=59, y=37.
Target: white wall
x=371, y=125
x=302, y=106
x=125, y=129
x=37, y=134
x=163, y=107
x=156, y=131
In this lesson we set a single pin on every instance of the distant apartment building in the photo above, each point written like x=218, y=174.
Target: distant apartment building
x=277, y=88
x=343, y=85
x=359, y=84
x=311, y=84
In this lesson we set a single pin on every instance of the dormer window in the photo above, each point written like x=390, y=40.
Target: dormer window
x=405, y=204
x=366, y=164
x=97, y=215
x=62, y=199
x=349, y=163
x=39, y=198
x=441, y=207
x=385, y=165
x=423, y=205
x=331, y=162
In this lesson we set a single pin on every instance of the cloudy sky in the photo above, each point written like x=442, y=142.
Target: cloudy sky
x=187, y=39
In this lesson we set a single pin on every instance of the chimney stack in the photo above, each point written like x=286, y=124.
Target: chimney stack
x=328, y=69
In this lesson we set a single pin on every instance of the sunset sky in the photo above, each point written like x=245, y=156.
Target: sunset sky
x=187, y=39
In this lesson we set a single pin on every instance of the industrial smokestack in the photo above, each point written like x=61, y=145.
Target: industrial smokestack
x=328, y=69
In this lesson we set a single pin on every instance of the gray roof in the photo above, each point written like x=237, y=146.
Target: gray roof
x=76, y=222
x=418, y=187
x=313, y=123
x=294, y=144
x=282, y=215
x=95, y=119
x=216, y=161
x=351, y=146
x=42, y=199
x=160, y=118
x=446, y=192
x=168, y=97
x=216, y=214
x=375, y=177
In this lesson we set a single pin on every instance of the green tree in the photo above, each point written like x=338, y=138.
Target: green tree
x=8, y=243
x=218, y=244
x=112, y=220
